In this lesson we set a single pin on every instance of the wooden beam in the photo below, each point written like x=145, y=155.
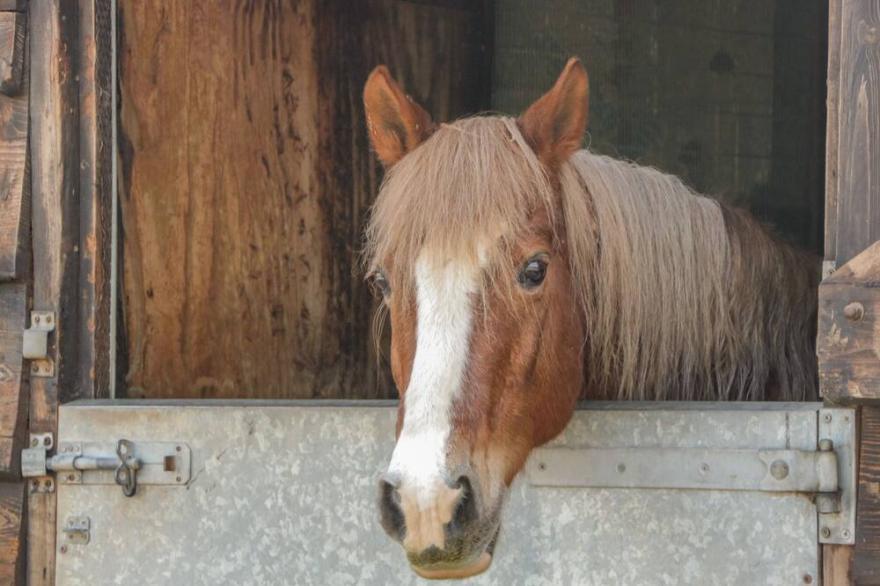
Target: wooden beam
x=831, y=128
x=848, y=343
x=14, y=197
x=866, y=555
x=12, y=37
x=55, y=142
x=12, y=504
x=857, y=214
x=13, y=399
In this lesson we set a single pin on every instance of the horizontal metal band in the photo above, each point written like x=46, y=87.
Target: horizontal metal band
x=685, y=468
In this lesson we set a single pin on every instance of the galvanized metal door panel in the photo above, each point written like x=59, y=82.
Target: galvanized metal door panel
x=284, y=493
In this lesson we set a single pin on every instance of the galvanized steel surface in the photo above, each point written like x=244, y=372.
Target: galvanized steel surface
x=284, y=494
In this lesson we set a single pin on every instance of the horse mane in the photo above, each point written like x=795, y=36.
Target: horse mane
x=684, y=298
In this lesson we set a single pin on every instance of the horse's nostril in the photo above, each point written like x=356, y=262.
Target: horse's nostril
x=389, y=507
x=466, y=509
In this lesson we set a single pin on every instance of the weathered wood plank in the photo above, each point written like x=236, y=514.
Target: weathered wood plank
x=858, y=110
x=836, y=562
x=241, y=274
x=832, y=128
x=848, y=344
x=13, y=5
x=13, y=399
x=12, y=503
x=14, y=198
x=12, y=37
x=866, y=556
x=54, y=51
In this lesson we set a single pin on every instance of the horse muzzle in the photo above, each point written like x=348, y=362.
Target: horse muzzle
x=440, y=528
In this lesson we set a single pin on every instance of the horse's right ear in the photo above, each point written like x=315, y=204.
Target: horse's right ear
x=554, y=126
x=395, y=122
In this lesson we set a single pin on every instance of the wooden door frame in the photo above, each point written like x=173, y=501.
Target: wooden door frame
x=70, y=160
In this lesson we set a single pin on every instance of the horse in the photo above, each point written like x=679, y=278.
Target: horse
x=522, y=273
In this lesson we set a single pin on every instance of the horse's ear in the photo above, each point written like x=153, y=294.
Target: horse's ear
x=395, y=122
x=554, y=126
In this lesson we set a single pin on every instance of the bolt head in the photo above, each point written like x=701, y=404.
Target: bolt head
x=854, y=311
x=779, y=469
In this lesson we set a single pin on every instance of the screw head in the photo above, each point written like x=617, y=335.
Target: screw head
x=808, y=579
x=704, y=468
x=827, y=418
x=826, y=532
x=47, y=441
x=63, y=549
x=845, y=533
x=854, y=311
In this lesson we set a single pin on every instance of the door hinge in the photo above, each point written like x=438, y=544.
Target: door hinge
x=827, y=473
x=35, y=343
x=125, y=463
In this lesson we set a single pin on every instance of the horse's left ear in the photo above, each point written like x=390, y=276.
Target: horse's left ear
x=395, y=122
x=554, y=126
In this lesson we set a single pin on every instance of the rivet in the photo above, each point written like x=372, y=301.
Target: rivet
x=621, y=467
x=71, y=478
x=845, y=533
x=178, y=448
x=47, y=440
x=704, y=468
x=779, y=469
x=178, y=479
x=826, y=532
x=37, y=318
x=808, y=579
x=854, y=311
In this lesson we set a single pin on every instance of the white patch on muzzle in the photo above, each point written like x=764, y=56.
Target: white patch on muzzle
x=443, y=293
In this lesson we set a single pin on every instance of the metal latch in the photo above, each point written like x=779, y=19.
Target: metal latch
x=827, y=473
x=35, y=343
x=125, y=463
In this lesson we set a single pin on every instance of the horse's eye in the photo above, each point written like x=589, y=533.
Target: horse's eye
x=533, y=273
x=379, y=283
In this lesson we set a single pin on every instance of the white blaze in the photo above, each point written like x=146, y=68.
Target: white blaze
x=443, y=293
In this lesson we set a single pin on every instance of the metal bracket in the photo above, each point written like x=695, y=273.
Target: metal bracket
x=837, y=512
x=35, y=343
x=77, y=530
x=125, y=463
x=828, y=268
x=828, y=473
x=685, y=468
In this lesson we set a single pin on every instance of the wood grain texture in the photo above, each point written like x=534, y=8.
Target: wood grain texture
x=54, y=149
x=849, y=349
x=12, y=504
x=857, y=214
x=12, y=45
x=95, y=205
x=832, y=139
x=14, y=197
x=866, y=555
x=13, y=395
x=246, y=177
x=836, y=565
